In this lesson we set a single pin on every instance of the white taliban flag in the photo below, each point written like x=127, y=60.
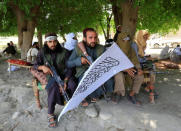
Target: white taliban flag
x=112, y=61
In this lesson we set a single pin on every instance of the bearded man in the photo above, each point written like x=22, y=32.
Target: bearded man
x=55, y=55
x=79, y=60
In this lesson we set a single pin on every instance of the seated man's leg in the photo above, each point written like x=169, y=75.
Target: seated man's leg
x=109, y=85
x=150, y=88
x=138, y=80
x=72, y=84
x=106, y=88
x=94, y=95
x=85, y=102
x=119, y=87
x=152, y=79
x=54, y=97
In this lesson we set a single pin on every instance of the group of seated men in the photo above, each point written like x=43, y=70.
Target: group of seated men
x=10, y=49
x=73, y=59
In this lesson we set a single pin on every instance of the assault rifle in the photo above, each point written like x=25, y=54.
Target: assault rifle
x=148, y=64
x=60, y=82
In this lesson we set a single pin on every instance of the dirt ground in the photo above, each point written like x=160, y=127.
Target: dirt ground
x=18, y=110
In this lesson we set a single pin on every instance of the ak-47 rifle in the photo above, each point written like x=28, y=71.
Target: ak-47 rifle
x=60, y=82
x=148, y=64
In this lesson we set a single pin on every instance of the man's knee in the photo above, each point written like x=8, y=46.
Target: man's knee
x=139, y=78
x=109, y=85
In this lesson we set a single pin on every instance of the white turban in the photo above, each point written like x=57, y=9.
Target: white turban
x=70, y=42
x=49, y=38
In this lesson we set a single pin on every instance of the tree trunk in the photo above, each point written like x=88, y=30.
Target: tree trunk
x=25, y=27
x=130, y=16
x=126, y=17
x=21, y=24
x=117, y=15
x=40, y=41
x=27, y=38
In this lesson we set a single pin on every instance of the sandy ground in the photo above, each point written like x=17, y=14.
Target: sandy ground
x=18, y=110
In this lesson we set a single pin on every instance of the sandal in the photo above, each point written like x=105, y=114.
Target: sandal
x=84, y=103
x=116, y=98
x=52, y=123
x=134, y=100
x=94, y=100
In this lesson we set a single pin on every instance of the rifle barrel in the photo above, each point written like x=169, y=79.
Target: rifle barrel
x=59, y=82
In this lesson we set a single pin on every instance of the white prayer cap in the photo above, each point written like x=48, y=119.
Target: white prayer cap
x=49, y=38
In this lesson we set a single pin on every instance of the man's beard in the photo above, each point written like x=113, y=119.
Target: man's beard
x=56, y=49
x=52, y=48
x=90, y=45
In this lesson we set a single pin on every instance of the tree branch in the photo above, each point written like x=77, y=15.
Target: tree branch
x=103, y=29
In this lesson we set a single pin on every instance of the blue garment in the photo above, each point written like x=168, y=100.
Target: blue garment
x=135, y=47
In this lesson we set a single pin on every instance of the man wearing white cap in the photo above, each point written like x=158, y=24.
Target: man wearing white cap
x=32, y=52
x=52, y=54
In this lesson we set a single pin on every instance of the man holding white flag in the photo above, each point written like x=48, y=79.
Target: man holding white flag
x=103, y=68
x=78, y=60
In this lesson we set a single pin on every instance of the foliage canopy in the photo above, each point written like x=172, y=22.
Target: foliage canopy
x=159, y=16
x=63, y=16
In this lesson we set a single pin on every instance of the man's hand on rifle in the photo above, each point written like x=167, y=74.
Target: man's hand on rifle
x=45, y=70
x=84, y=61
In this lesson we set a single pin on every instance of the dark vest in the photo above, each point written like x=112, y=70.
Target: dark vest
x=60, y=62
